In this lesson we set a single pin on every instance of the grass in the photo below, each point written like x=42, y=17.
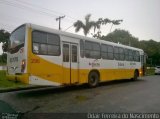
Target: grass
x=2, y=64
x=5, y=84
x=150, y=71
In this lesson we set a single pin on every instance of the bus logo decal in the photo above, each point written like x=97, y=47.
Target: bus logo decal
x=94, y=63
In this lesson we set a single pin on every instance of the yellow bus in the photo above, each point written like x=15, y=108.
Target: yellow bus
x=43, y=56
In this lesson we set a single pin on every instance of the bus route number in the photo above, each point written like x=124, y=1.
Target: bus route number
x=35, y=60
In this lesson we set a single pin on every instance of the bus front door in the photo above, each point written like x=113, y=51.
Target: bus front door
x=70, y=63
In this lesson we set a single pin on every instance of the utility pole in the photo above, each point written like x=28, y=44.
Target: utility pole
x=59, y=19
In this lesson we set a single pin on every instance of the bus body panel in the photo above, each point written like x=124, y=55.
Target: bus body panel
x=53, y=70
x=17, y=57
x=14, y=61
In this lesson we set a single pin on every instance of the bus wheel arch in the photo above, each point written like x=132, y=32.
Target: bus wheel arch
x=136, y=74
x=93, y=78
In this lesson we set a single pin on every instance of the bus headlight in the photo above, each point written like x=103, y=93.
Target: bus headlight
x=140, y=72
x=23, y=65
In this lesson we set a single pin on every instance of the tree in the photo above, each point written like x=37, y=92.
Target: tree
x=97, y=25
x=85, y=26
x=97, y=35
x=102, y=22
x=123, y=37
x=4, y=36
x=115, y=22
x=151, y=47
x=3, y=58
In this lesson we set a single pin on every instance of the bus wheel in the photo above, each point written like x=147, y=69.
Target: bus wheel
x=93, y=79
x=135, y=75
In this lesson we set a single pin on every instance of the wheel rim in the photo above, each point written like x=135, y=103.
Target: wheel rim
x=93, y=79
x=135, y=75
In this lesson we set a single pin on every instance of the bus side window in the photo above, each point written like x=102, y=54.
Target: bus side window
x=134, y=55
x=107, y=52
x=65, y=53
x=88, y=49
x=53, y=41
x=45, y=43
x=92, y=50
x=104, y=51
x=74, y=53
x=121, y=54
x=130, y=55
x=110, y=52
x=36, y=48
x=39, y=40
x=116, y=53
x=43, y=49
x=137, y=56
x=96, y=51
x=126, y=54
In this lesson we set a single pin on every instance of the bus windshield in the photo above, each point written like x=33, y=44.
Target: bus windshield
x=17, y=39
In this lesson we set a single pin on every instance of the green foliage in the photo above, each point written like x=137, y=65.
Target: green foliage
x=4, y=36
x=122, y=37
x=5, y=47
x=88, y=25
x=116, y=22
x=4, y=83
x=150, y=71
x=3, y=59
x=102, y=22
x=85, y=26
x=151, y=47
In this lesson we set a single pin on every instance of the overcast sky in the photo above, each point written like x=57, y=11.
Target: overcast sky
x=141, y=17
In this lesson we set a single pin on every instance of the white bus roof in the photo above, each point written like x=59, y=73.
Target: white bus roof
x=51, y=30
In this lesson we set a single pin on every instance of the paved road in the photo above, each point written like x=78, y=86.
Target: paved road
x=117, y=96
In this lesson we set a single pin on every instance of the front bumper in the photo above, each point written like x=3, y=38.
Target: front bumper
x=20, y=77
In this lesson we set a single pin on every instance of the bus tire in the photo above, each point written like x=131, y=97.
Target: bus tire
x=93, y=79
x=135, y=75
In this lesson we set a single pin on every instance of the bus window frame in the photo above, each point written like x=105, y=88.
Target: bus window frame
x=92, y=49
x=107, y=52
x=45, y=43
